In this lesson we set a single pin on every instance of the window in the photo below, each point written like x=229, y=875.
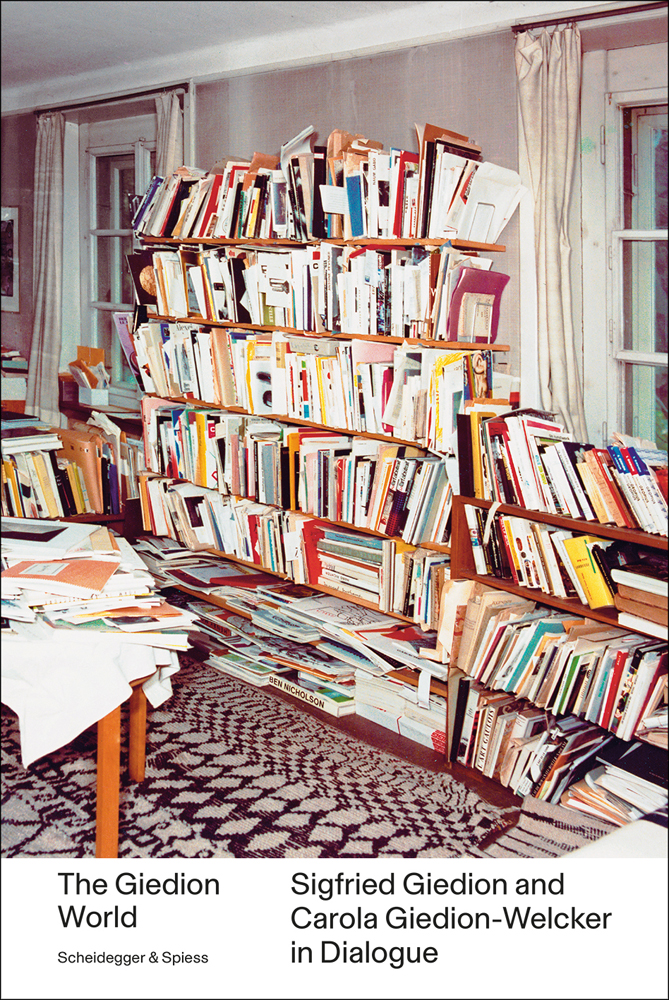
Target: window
x=113, y=186
x=639, y=267
x=109, y=157
x=624, y=253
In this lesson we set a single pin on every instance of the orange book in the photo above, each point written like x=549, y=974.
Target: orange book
x=69, y=577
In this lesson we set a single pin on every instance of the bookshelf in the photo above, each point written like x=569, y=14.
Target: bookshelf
x=462, y=557
x=296, y=358
x=293, y=414
x=341, y=512
x=595, y=680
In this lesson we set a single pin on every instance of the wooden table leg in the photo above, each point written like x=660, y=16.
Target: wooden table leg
x=137, y=734
x=108, y=780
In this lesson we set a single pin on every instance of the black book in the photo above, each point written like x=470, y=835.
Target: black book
x=236, y=209
x=106, y=494
x=239, y=289
x=137, y=263
x=428, y=174
x=318, y=222
x=182, y=194
x=641, y=760
x=460, y=708
x=299, y=210
x=465, y=459
x=64, y=487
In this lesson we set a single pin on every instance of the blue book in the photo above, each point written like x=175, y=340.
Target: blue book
x=355, y=206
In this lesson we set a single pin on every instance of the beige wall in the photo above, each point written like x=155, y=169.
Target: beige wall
x=467, y=85
x=18, y=158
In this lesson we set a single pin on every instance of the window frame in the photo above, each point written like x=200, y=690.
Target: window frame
x=121, y=129
x=141, y=150
x=603, y=235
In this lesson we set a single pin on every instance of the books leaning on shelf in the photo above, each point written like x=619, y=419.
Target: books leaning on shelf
x=561, y=563
x=411, y=291
x=62, y=472
x=384, y=389
x=348, y=187
x=562, y=663
x=529, y=460
x=628, y=783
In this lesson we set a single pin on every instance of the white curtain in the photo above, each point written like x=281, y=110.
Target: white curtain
x=42, y=395
x=548, y=69
x=170, y=137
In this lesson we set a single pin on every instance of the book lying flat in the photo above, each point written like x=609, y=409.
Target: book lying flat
x=71, y=578
x=328, y=701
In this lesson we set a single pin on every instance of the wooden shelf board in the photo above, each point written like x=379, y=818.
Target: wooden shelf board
x=356, y=242
x=449, y=345
x=574, y=524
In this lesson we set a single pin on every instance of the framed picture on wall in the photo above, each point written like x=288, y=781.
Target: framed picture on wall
x=9, y=271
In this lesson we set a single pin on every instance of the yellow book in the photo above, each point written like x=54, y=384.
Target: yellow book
x=482, y=486
x=75, y=486
x=594, y=583
x=13, y=493
x=201, y=456
x=293, y=442
x=52, y=500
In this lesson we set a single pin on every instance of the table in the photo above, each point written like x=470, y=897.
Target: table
x=61, y=688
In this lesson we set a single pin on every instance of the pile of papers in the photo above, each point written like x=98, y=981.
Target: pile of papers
x=60, y=580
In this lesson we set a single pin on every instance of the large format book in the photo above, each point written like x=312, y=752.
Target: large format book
x=322, y=698
x=69, y=577
x=595, y=585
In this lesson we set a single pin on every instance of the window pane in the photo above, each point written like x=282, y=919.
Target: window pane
x=113, y=279
x=115, y=360
x=645, y=167
x=646, y=403
x=644, y=296
x=115, y=187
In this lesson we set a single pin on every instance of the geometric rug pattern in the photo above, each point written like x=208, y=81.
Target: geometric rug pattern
x=233, y=772
x=548, y=831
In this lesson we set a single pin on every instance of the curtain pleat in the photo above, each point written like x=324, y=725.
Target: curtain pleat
x=548, y=70
x=42, y=394
x=169, y=141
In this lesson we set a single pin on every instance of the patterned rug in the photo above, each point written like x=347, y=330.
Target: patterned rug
x=547, y=831
x=234, y=772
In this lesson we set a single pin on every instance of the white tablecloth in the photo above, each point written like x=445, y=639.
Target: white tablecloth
x=60, y=688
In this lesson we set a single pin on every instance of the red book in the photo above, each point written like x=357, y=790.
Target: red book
x=312, y=532
x=613, y=494
x=252, y=521
x=212, y=203
x=405, y=158
x=617, y=670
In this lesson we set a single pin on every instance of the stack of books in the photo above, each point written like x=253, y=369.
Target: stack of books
x=394, y=701
x=642, y=592
x=563, y=664
x=14, y=380
x=34, y=482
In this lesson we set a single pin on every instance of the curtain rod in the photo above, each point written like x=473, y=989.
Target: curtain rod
x=176, y=88
x=635, y=8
